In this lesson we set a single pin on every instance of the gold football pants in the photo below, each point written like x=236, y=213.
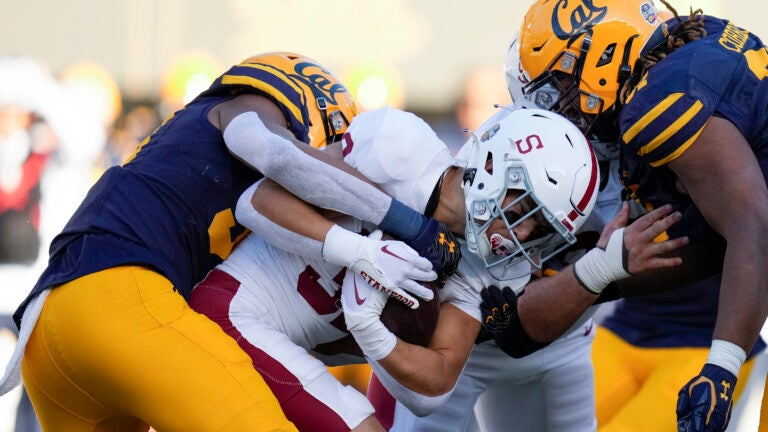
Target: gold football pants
x=636, y=388
x=119, y=350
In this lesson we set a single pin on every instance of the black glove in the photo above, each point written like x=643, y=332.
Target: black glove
x=704, y=403
x=501, y=321
x=496, y=309
x=438, y=244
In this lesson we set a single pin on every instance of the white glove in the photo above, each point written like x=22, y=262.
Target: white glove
x=599, y=267
x=362, y=306
x=389, y=266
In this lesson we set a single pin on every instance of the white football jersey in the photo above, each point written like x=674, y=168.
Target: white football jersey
x=299, y=296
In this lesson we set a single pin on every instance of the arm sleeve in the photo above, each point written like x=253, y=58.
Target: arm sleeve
x=417, y=403
x=308, y=178
x=273, y=233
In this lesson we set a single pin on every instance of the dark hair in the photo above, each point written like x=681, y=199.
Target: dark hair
x=685, y=31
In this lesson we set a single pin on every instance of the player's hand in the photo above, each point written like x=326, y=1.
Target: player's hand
x=496, y=308
x=704, y=403
x=361, y=303
x=642, y=252
x=438, y=244
x=389, y=266
x=393, y=268
x=362, y=306
x=623, y=251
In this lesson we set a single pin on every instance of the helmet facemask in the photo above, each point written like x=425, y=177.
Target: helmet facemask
x=549, y=237
x=527, y=166
x=562, y=79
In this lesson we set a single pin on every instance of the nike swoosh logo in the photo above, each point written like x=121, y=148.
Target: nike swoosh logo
x=358, y=300
x=588, y=330
x=386, y=250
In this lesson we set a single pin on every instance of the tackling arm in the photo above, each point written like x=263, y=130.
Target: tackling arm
x=255, y=131
x=725, y=181
x=552, y=304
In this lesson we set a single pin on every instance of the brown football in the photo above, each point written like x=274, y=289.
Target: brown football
x=414, y=326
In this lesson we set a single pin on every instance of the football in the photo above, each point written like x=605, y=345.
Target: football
x=414, y=326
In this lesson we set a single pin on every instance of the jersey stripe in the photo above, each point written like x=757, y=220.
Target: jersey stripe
x=650, y=116
x=672, y=129
x=680, y=150
x=266, y=88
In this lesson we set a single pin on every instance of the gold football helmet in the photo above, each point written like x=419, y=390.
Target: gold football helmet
x=331, y=106
x=586, y=49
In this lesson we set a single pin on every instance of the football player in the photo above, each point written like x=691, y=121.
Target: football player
x=283, y=309
x=544, y=389
x=687, y=98
x=110, y=339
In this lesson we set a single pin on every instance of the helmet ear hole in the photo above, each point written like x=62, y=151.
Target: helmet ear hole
x=607, y=56
x=489, y=163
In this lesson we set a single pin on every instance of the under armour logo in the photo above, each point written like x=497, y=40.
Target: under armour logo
x=726, y=386
x=451, y=245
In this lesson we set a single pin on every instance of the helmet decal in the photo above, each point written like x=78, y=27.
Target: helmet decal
x=577, y=19
x=316, y=77
x=649, y=12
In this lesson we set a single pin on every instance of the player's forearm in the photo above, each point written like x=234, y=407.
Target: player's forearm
x=742, y=308
x=299, y=238
x=309, y=173
x=284, y=209
x=435, y=369
x=420, y=369
x=551, y=305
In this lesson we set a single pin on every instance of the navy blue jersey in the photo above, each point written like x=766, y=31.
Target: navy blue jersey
x=719, y=75
x=170, y=207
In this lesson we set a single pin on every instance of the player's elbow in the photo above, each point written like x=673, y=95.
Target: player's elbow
x=422, y=405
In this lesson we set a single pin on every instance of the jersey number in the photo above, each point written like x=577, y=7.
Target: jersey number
x=758, y=62
x=318, y=298
x=224, y=233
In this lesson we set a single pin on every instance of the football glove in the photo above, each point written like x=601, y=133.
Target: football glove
x=501, y=321
x=496, y=309
x=362, y=306
x=430, y=238
x=387, y=265
x=438, y=244
x=704, y=403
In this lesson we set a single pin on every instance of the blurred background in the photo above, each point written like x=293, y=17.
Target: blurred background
x=86, y=80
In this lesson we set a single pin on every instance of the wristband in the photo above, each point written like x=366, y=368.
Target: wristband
x=341, y=246
x=403, y=222
x=727, y=355
x=599, y=267
x=375, y=340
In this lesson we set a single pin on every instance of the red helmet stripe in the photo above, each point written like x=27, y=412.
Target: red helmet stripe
x=592, y=186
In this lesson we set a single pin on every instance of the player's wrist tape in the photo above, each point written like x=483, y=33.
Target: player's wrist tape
x=599, y=267
x=341, y=247
x=374, y=339
x=403, y=222
x=727, y=355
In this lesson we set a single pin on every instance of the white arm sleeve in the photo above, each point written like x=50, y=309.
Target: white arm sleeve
x=273, y=233
x=418, y=403
x=306, y=177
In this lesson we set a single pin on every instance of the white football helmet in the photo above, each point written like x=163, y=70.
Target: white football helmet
x=549, y=161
